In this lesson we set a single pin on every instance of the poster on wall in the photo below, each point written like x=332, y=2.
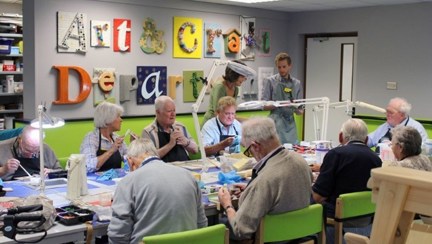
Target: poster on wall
x=263, y=72
x=122, y=35
x=232, y=39
x=71, y=32
x=212, y=40
x=265, y=36
x=100, y=33
x=104, y=85
x=152, y=83
x=187, y=37
x=249, y=40
x=192, y=85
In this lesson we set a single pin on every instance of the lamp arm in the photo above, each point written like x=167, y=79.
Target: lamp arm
x=41, y=110
x=370, y=106
x=197, y=104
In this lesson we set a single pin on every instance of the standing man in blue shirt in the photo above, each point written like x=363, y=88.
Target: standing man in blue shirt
x=283, y=87
x=223, y=132
x=397, y=113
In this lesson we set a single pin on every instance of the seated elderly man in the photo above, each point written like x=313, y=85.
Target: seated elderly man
x=281, y=180
x=155, y=198
x=397, y=113
x=223, y=132
x=23, y=151
x=406, y=146
x=171, y=138
x=346, y=168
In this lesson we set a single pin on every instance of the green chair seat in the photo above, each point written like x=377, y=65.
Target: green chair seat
x=216, y=234
x=292, y=225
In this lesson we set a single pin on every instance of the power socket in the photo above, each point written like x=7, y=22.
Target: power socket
x=391, y=85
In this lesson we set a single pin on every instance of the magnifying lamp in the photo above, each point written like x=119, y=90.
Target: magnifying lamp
x=370, y=106
x=238, y=68
x=44, y=120
x=320, y=134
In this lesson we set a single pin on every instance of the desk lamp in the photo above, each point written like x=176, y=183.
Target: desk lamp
x=237, y=67
x=44, y=120
x=321, y=101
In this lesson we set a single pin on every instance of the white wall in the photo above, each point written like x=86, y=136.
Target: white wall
x=38, y=63
x=394, y=44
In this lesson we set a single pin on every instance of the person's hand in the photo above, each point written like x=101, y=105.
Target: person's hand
x=237, y=189
x=118, y=142
x=46, y=171
x=175, y=137
x=228, y=141
x=181, y=139
x=224, y=197
x=315, y=167
x=133, y=137
x=11, y=165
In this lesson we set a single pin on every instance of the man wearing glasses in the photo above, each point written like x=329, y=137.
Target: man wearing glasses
x=23, y=152
x=397, y=113
x=281, y=180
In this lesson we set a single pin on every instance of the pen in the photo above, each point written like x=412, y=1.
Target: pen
x=25, y=170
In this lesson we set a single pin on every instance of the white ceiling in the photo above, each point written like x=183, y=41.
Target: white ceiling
x=313, y=5
x=299, y=5
x=11, y=1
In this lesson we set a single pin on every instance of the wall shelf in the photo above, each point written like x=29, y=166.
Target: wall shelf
x=11, y=72
x=11, y=35
x=11, y=111
x=4, y=94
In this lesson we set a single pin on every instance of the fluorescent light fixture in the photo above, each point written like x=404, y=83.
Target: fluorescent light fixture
x=252, y=1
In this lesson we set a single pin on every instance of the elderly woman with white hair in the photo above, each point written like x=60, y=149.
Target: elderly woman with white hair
x=406, y=146
x=103, y=148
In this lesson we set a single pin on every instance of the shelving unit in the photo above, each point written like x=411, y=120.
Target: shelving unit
x=11, y=103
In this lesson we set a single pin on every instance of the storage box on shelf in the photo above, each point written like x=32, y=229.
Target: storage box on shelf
x=11, y=78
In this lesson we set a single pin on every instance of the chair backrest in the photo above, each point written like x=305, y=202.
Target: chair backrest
x=216, y=234
x=292, y=225
x=353, y=205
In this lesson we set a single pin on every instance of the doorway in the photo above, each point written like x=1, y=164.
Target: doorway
x=330, y=71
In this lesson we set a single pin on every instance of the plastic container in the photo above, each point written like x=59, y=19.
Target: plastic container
x=5, y=45
x=68, y=218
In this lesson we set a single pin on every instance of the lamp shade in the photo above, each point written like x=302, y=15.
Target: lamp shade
x=48, y=122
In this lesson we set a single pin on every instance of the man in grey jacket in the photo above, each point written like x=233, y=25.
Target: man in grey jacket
x=155, y=198
x=281, y=180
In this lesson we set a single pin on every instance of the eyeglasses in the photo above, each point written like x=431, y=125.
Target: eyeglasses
x=248, y=153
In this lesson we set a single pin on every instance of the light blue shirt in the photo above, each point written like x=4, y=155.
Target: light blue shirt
x=211, y=133
x=376, y=135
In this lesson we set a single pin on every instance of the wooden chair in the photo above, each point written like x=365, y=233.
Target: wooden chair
x=351, y=206
x=216, y=234
x=399, y=193
x=292, y=225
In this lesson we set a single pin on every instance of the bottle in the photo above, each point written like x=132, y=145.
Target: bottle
x=126, y=165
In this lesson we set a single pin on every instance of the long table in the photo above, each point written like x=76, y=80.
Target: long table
x=60, y=233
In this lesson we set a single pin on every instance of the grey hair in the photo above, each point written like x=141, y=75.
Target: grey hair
x=404, y=107
x=140, y=146
x=259, y=129
x=408, y=138
x=161, y=101
x=354, y=130
x=105, y=113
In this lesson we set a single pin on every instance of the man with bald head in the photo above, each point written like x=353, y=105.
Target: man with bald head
x=397, y=113
x=24, y=150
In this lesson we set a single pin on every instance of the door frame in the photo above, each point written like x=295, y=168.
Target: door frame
x=305, y=44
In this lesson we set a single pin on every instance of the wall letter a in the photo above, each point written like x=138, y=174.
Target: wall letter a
x=63, y=85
